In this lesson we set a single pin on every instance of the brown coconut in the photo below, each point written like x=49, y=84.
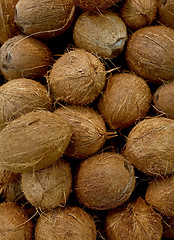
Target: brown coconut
x=149, y=146
x=139, y=13
x=160, y=195
x=21, y=96
x=104, y=181
x=168, y=228
x=23, y=56
x=65, y=224
x=77, y=77
x=166, y=12
x=13, y=193
x=125, y=100
x=89, y=130
x=135, y=221
x=33, y=141
x=44, y=19
x=15, y=224
x=150, y=52
x=102, y=34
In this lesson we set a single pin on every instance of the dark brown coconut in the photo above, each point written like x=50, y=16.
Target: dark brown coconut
x=89, y=130
x=149, y=146
x=15, y=224
x=66, y=223
x=168, y=228
x=166, y=12
x=95, y=6
x=150, y=52
x=104, y=181
x=33, y=141
x=44, y=19
x=160, y=195
x=139, y=13
x=135, y=221
x=23, y=56
x=125, y=100
x=104, y=35
x=77, y=77
x=21, y=96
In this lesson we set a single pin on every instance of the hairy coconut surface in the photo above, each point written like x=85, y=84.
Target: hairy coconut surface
x=21, y=96
x=70, y=223
x=166, y=12
x=150, y=52
x=33, y=141
x=15, y=224
x=23, y=56
x=95, y=5
x=125, y=100
x=149, y=146
x=13, y=193
x=104, y=181
x=50, y=187
x=44, y=19
x=168, y=228
x=135, y=221
x=77, y=77
x=89, y=130
x=102, y=34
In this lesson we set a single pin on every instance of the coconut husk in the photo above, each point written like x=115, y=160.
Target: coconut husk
x=95, y=6
x=166, y=12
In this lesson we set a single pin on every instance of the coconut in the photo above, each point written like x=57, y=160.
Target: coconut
x=44, y=19
x=139, y=13
x=89, y=130
x=77, y=77
x=15, y=223
x=168, y=228
x=23, y=56
x=33, y=141
x=104, y=181
x=166, y=12
x=125, y=100
x=160, y=195
x=65, y=223
x=104, y=35
x=149, y=146
x=150, y=52
x=21, y=96
x=6, y=177
x=13, y=193
x=135, y=221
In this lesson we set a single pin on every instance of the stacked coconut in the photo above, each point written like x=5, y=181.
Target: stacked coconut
x=86, y=119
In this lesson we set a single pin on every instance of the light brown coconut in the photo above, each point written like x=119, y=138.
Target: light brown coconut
x=44, y=19
x=150, y=52
x=168, y=228
x=15, y=224
x=13, y=193
x=95, y=5
x=135, y=221
x=125, y=100
x=70, y=223
x=33, y=141
x=77, y=77
x=89, y=130
x=149, y=146
x=23, y=56
x=102, y=34
x=21, y=96
x=166, y=12
x=104, y=181
x=160, y=195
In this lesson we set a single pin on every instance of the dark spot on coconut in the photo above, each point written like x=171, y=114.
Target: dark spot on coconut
x=157, y=97
x=4, y=67
x=16, y=12
x=8, y=57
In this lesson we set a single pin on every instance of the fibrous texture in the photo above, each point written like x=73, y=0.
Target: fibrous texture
x=166, y=12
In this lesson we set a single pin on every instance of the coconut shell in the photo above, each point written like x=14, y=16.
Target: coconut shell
x=149, y=146
x=102, y=34
x=168, y=228
x=89, y=130
x=125, y=100
x=44, y=19
x=77, y=77
x=104, y=181
x=95, y=6
x=23, y=56
x=66, y=223
x=33, y=141
x=166, y=12
x=15, y=224
x=150, y=52
x=135, y=221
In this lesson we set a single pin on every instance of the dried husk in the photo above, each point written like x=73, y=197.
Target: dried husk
x=89, y=130
x=104, y=35
x=149, y=146
x=168, y=228
x=77, y=77
x=125, y=100
x=95, y=6
x=150, y=53
x=70, y=223
x=166, y=12
x=13, y=193
x=33, y=141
